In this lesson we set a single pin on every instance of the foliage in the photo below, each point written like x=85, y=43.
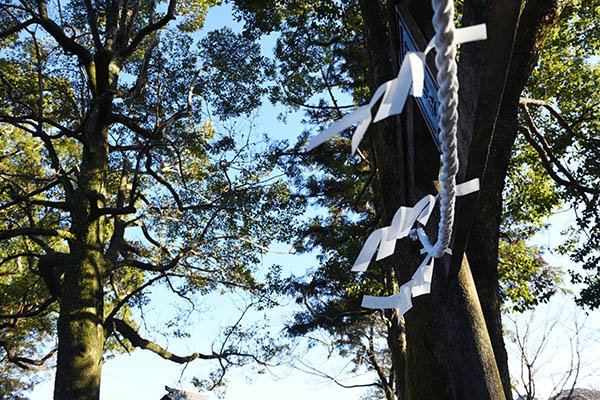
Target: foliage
x=526, y=279
x=116, y=133
x=232, y=65
x=564, y=124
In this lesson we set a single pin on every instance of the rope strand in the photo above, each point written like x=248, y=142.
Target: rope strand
x=445, y=61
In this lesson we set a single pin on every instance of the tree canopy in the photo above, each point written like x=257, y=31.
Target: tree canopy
x=119, y=172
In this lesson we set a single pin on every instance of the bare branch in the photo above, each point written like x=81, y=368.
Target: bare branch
x=555, y=113
x=308, y=369
x=137, y=341
x=125, y=299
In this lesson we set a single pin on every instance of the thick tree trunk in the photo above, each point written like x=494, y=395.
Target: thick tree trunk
x=80, y=330
x=396, y=342
x=482, y=250
x=483, y=73
x=80, y=324
x=451, y=321
x=463, y=343
x=81, y=334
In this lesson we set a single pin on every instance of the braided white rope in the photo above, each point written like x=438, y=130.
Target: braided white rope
x=445, y=61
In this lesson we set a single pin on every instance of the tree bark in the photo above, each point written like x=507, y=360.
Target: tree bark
x=534, y=24
x=81, y=334
x=451, y=321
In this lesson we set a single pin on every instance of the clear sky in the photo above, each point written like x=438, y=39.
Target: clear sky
x=143, y=375
x=562, y=333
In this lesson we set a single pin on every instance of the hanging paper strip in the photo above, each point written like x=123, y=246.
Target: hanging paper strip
x=395, y=92
x=420, y=282
x=402, y=223
x=410, y=80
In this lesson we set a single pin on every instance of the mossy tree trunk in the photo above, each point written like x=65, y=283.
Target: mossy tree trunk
x=81, y=333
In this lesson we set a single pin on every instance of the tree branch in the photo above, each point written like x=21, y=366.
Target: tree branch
x=24, y=362
x=548, y=158
x=31, y=313
x=115, y=210
x=137, y=341
x=370, y=351
x=30, y=194
x=61, y=205
x=561, y=121
x=11, y=233
x=67, y=43
x=149, y=29
x=134, y=126
x=313, y=371
x=17, y=28
x=93, y=22
x=125, y=299
x=154, y=267
x=142, y=75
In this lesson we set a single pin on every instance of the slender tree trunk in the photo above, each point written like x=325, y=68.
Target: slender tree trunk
x=81, y=334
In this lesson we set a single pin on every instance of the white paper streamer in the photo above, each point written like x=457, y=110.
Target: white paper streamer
x=355, y=117
x=467, y=187
x=419, y=285
x=361, y=115
x=395, y=92
x=388, y=243
x=368, y=250
x=421, y=279
x=472, y=33
x=412, y=72
x=402, y=223
x=401, y=300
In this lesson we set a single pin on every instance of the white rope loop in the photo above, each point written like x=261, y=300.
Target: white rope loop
x=445, y=61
